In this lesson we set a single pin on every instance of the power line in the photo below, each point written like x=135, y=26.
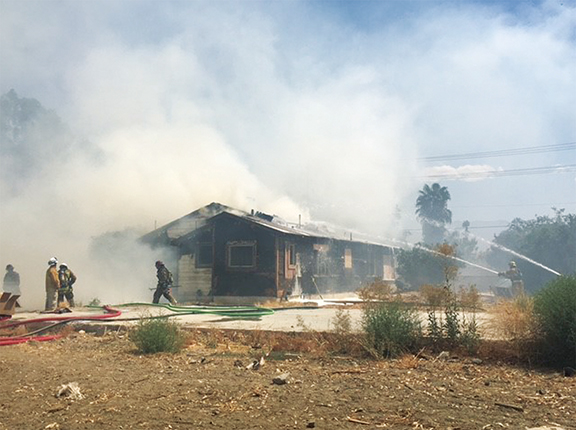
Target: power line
x=556, y=205
x=565, y=168
x=503, y=152
x=469, y=228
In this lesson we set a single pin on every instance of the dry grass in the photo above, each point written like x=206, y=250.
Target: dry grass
x=66, y=330
x=408, y=361
x=378, y=290
x=514, y=321
x=469, y=297
x=435, y=296
x=277, y=303
x=313, y=343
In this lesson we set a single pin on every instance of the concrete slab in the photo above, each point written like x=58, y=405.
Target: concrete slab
x=286, y=319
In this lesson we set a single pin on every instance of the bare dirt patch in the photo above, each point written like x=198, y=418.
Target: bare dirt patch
x=208, y=386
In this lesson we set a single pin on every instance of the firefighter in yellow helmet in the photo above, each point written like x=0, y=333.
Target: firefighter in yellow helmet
x=52, y=284
x=515, y=276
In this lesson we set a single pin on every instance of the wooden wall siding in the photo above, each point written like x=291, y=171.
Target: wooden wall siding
x=326, y=265
x=191, y=279
x=257, y=281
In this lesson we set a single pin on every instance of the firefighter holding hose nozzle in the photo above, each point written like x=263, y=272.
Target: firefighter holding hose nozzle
x=165, y=281
x=515, y=276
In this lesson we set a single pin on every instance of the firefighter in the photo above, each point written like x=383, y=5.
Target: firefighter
x=515, y=276
x=11, y=283
x=67, y=278
x=52, y=284
x=165, y=281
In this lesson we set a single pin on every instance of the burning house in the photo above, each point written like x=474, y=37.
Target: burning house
x=223, y=254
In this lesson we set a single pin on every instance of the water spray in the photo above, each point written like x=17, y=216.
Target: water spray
x=386, y=242
x=523, y=257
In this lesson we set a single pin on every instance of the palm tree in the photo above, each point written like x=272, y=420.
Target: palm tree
x=432, y=210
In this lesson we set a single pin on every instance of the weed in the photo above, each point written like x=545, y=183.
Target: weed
x=301, y=324
x=453, y=331
x=152, y=335
x=95, y=302
x=344, y=341
x=435, y=328
x=342, y=322
x=390, y=329
x=452, y=324
x=469, y=335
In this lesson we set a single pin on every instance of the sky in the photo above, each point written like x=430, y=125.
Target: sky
x=328, y=110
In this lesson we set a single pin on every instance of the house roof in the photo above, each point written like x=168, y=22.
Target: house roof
x=186, y=224
x=275, y=224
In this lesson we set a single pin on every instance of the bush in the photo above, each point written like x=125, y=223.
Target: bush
x=152, y=335
x=390, y=329
x=555, y=308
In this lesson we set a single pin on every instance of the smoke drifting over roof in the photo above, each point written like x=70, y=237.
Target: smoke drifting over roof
x=294, y=108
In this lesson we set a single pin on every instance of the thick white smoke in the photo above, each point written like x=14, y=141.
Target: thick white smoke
x=194, y=102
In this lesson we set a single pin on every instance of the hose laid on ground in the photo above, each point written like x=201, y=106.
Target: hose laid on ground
x=229, y=311
x=14, y=340
x=17, y=340
x=111, y=313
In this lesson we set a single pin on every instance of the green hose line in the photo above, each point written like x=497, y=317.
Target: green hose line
x=229, y=311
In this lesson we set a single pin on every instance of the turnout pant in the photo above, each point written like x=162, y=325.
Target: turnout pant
x=67, y=294
x=163, y=291
x=50, y=298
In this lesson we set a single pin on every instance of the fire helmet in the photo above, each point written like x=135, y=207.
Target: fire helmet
x=9, y=267
x=53, y=261
x=63, y=265
x=159, y=264
x=512, y=264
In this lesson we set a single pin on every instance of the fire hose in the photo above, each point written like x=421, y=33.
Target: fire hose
x=17, y=340
x=111, y=313
x=232, y=311
x=229, y=311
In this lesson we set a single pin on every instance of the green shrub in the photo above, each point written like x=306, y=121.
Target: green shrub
x=390, y=329
x=555, y=308
x=454, y=330
x=152, y=335
x=452, y=323
x=469, y=335
x=435, y=332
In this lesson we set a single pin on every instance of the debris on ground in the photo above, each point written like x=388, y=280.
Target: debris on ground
x=281, y=379
x=122, y=389
x=70, y=391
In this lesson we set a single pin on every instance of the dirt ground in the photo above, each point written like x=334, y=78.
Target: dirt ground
x=210, y=387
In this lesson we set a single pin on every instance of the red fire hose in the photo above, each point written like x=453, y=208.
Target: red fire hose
x=111, y=313
x=9, y=341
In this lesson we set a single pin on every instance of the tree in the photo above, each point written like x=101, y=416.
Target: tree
x=419, y=266
x=32, y=140
x=466, y=246
x=432, y=210
x=550, y=241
